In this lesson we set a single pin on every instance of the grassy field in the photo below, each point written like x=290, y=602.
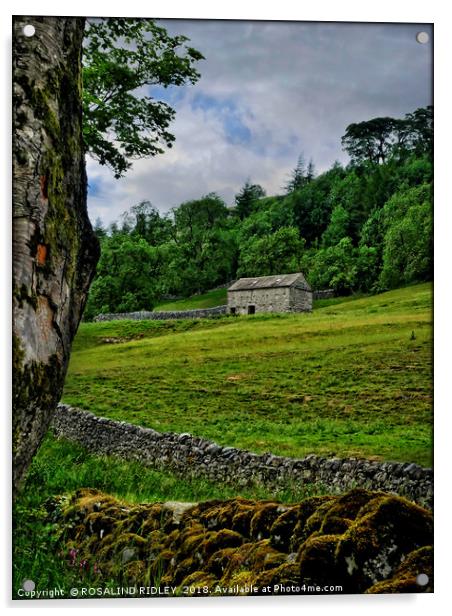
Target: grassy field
x=351, y=378
x=206, y=300
x=63, y=467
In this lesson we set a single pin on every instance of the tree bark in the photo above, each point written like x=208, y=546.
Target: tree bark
x=54, y=248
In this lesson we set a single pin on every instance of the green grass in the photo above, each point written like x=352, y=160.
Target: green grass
x=91, y=335
x=218, y=297
x=333, y=301
x=61, y=467
x=347, y=379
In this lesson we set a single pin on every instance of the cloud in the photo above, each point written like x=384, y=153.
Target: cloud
x=268, y=91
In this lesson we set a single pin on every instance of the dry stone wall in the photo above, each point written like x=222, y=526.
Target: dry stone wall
x=323, y=294
x=192, y=456
x=200, y=313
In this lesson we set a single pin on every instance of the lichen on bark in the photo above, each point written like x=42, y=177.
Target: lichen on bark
x=54, y=248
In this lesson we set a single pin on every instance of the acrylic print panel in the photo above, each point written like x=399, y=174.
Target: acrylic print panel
x=222, y=331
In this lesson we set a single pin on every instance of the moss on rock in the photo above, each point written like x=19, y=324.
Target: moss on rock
x=282, y=529
x=405, y=579
x=305, y=510
x=217, y=540
x=317, y=560
x=366, y=541
x=385, y=531
x=196, y=580
x=287, y=574
x=263, y=519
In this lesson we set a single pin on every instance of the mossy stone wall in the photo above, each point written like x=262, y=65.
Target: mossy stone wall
x=360, y=542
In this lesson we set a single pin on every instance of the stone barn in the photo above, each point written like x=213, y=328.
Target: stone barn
x=283, y=293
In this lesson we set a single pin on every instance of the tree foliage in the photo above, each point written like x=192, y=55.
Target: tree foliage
x=376, y=140
x=143, y=220
x=310, y=207
x=273, y=253
x=122, y=60
x=407, y=222
x=301, y=175
x=247, y=198
x=127, y=276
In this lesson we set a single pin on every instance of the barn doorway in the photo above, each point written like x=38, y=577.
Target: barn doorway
x=251, y=309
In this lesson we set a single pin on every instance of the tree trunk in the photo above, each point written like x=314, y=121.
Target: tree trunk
x=54, y=248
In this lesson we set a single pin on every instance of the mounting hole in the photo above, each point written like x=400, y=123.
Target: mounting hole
x=422, y=579
x=422, y=37
x=28, y=585
x=29, y=30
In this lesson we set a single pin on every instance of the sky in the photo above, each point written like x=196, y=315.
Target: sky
x=269, y=91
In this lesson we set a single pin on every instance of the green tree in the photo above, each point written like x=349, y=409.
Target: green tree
x=247, y=198
x=127, y=276
x=370, y=141
x=415, y=171
x=310, y=207
x=199, y=215
x=297, y=177
x=205, y=245
x=372, y=235
x=408, y=238
x=144, y=220
x=376, y=140
x=333, y=267
x=366, y=268
x=275, y=253
x=99, y=229
x=122, y=59
x=271, y=215
x=301, y=175
x=338, y=227
x=417, y=131
x=310, y=171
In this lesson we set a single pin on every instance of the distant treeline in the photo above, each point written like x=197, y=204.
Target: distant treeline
x=364, y=227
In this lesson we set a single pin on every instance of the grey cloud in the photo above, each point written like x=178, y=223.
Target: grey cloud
x=297, y=85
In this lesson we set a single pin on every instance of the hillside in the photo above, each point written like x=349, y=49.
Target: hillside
x=210, y=299
x=350, y=379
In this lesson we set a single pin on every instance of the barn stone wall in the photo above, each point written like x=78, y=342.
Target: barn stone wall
x=274, y=299
x=193, y=456
x=300, y=300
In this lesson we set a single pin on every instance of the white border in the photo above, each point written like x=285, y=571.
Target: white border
x=435, y=11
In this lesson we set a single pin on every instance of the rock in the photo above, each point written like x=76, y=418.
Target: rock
x=317, y=561
x=364, y=541
x=386, y=529
x=405, y=578
x=177, y=509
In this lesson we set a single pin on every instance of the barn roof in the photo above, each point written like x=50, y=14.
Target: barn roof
x=269, y=282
